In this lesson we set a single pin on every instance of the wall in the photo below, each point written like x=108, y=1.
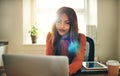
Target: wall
x=11, y=29
x=107, y=34
x=119, y=32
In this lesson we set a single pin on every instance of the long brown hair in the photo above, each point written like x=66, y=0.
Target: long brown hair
x=73, y=25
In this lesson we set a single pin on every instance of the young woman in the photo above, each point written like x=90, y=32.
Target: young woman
x=65, y=39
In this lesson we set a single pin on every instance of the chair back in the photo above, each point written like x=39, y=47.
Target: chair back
x=89, y=55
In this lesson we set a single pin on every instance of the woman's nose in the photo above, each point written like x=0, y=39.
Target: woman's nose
x=62, y=24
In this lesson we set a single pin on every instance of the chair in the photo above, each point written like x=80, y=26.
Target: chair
x=89, y=55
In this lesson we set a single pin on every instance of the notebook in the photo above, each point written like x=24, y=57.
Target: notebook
x=30, y=65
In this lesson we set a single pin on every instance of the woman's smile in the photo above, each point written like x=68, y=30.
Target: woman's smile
x=62, y=30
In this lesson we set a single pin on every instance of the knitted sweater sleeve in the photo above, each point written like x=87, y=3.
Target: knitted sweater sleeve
x=49, y=49
x=77, y=61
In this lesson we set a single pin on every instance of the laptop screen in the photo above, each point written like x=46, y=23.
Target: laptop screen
x=31, y=65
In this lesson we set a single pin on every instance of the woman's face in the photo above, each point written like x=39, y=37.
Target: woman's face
x=63, y=25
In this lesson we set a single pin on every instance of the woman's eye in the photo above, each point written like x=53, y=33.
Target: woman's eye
x=67, y=22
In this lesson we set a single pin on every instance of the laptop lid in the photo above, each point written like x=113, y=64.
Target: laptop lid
x=29, y=65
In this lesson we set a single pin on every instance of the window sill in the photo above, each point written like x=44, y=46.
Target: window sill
x=33, y=44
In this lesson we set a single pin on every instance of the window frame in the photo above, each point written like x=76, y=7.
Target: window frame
x=26, y=37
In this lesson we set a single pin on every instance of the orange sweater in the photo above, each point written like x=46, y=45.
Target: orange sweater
x=77, y=61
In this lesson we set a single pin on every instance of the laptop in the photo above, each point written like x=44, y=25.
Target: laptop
x=31, y=65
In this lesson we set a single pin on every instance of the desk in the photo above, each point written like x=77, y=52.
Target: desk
x=101, y=74
x=93, y=75
x=105, y=74
x=2, y=73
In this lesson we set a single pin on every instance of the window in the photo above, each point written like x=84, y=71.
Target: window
x=44, y=12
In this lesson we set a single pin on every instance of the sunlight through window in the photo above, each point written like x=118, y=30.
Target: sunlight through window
x=60, y=3
x=44, y=12
x=46, y=15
